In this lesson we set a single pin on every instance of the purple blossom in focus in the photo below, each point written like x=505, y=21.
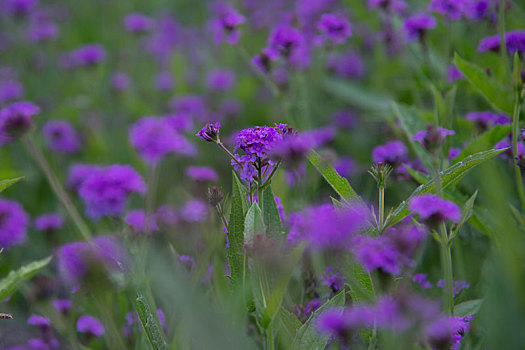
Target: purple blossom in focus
x=106, y=189
x=210, y=132
x=434, y=209
x=49, y=222
x=13, y=223
x=61, y=136
x=90, y=325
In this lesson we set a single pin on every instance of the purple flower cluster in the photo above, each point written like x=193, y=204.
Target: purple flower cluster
x=76, y=260
x=13, y=223
x=432, y=137
x=417, y=26
x=220, y=80
x=154, y=138
x=290, y=44
x=225, y=24
x=514, y=41
x=121, y=81
x=393, y=153
x=10, y=89
x=49, y=223
x=202, y=173
x=433, y=209
x=326, y=227
x=136, y=219
x=84, y=56
x=347, y=64
x=42, y=28
x=106, y=189
x=18, y=8
x=333, y=29
x=16, y=119
x=486, y=119
x=194, y=210
x=61, y=136
x=90, y=326
x=138, y=23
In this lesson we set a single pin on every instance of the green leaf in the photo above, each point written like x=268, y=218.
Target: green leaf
x=236, y=254
x=467, y=308
x=271, y=217
x=287, y=326
x=449, y=177
x=336, y=203
x=417, y=175
x=484, y=141
x=360, y=284
x=307, y=336
x=495, y=94
x=150, y=324
x=357, y=96
x=340, y=185
x=468, y=209
x=280, y=285
x=9, y=182
x=13, y=280
x=253, y=223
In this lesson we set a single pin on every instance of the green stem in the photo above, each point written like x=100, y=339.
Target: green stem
x=221, y=145
x=57, y=188
x=501, y=29
x=381, y=208
x=515, y=133
x=446, y=263
x=150, y=195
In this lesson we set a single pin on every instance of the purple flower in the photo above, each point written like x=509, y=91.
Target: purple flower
x=446, y=331
x=292, y=149
x=225, y=24
x=194, y=210
x=10, y=89
x=486, y=119
x=78, y=173
x=290, y=43
x=421, y=280
x=514, y=40
x=458, y=286
x=43, y=344
x=90, y=325
x=434, y=209
x=84, y=56
x=417, y=25
x=77, y=260
x=453, y=152
x=137, y=23
x=220, y=80
x=346, y=65
x=396, y=6
x=180, y=122
x=393, y=153
x=264, y=60
x=61, y=137
x=477, y=10
x=49, y=222
x=153, y=139
x=136, y=219
x=333, y=28
x=106, y=189
x=333, y=279
x=326, y=227
x=432, y=138
x=42, y=28
x=192, y=105
x=164, y=81
x=18, y=8
x=121, y=81
x=202, y=173
x=40, y=321
x=166, y=216
x=62, y=305
x=451, y=9
x=210, y=132
x=344, y=119
x=345, y=166
x=13, y=223
x=454, y=74
x=16, y=119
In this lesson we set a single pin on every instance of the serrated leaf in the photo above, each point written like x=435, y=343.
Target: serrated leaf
x=357, y=96
x=9, y=182
x=253, y=223
x=449, y=177
x=150, y=324
x=467, y=308
x=495, y=94
x=484, y=141
x=307, y=336
x=236, y=254
x=271, y=217
x=339, y=184
x=13, y=280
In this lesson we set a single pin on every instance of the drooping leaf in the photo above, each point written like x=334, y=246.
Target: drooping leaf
x=467, y=308
x=150, y=324
x=10, y=284
x=271, y=217
x=307, y=336
x=9, y=182
x=484, y=141
x=449, y=177
x=236, y=254
x=495, y=94
x=340, y=185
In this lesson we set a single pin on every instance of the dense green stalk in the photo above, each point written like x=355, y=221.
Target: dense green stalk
x=515, y=133
x=381, y=207
x=62, y=195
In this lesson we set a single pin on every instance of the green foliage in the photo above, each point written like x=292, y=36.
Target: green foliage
x=270, y=212
x=253, y=223
x=484, y=141
x=11, y=283
x=468, y=308
x=150, y=324
x=236, y=254
x=4, y=184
